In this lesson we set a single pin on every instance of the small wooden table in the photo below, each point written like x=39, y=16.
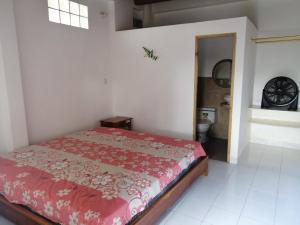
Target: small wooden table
x=118, y=122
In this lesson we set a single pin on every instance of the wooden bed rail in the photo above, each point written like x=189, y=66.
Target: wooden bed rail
x=20, y=215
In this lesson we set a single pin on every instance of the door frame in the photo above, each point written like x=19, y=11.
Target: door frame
x=197, y=40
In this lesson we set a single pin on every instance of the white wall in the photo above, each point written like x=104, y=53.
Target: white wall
x=274, y=59
x=276, y=16
x=247, y=87
x=13, y=131
x=197, y=12
x=276, y=128
x=123, y=14
x=159, y=94
x=64, y=70
x=211, y=51
x=271, y=17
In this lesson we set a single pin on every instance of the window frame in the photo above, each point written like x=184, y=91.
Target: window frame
x=70, y=14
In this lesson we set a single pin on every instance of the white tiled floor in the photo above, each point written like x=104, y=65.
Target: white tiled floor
x=263, y=189
x=4, y=221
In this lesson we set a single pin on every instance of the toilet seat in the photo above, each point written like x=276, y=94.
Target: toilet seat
x=205, y=119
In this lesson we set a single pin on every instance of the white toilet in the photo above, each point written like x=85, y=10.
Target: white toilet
x=206, y=118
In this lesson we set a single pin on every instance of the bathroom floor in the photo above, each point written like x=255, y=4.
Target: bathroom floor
x=216, y=148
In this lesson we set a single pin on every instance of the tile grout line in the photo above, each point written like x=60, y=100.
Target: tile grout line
x=168, y=217
x=256, y=167
x=210, y=207
x=175, y=210
x=250, y=185
x=278, y=183
x=213, y=202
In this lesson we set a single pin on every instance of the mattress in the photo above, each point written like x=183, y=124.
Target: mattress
x=97, y=176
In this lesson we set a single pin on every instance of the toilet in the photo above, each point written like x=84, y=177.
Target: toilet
x=206, y=118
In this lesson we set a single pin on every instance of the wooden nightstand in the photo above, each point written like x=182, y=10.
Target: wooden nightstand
x=118, y=122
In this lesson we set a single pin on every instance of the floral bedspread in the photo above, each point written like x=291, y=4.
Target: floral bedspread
x=98, y=176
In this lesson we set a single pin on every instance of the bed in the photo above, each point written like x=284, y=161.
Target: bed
x=98, y=176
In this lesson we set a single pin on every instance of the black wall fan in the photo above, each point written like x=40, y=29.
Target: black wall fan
x=280, y=93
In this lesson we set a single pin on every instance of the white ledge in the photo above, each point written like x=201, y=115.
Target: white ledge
x=276, y=123
x=274, y=117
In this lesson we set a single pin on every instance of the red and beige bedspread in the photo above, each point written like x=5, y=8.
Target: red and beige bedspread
x=98, y=176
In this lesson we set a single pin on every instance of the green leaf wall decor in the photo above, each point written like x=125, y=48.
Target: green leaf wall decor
x=150, y=54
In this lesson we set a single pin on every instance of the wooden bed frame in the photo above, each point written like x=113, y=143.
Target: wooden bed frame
x=20, y=215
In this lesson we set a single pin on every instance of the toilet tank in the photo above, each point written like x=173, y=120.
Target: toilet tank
x=207, y=113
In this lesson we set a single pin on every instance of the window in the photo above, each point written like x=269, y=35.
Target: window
x=68, y=13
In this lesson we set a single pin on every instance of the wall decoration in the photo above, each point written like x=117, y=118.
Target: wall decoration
x=150, y=54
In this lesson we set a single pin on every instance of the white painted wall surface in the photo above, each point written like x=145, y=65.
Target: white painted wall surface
x=159, y=95
x=211, y=51
x=6, y=140
x=275, y=59
x=277, y=128
x=64, y=70
x=272, y=18
x=277, y=16
x=247, y=87
x=123, y=14
x=13, y=130
x=198, y=12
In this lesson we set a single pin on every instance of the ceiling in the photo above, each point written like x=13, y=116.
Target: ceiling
x=208, y=2
x=186, y=4
x=205, y=2
x=143, y=2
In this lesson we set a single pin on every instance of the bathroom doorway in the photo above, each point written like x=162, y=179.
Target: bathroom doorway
x=214, y=73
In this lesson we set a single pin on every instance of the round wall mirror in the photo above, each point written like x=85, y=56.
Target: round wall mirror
x=221, y=73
